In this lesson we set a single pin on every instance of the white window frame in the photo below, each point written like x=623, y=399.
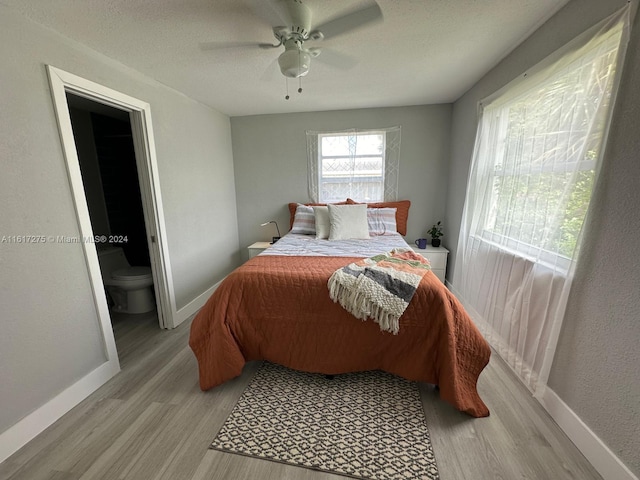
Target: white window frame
x=378, y=177
x=390, y=158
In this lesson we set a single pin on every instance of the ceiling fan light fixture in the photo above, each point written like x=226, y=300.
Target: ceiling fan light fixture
x=294, y=63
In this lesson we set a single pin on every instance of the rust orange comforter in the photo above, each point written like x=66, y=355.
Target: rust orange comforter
x=277, y=308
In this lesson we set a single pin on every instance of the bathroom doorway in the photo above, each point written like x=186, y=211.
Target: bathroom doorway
x=117, y=116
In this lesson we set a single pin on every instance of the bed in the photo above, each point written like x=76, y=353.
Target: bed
x=276, y=307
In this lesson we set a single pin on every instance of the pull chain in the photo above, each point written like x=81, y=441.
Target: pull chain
x=300, y=77
x=286, y=82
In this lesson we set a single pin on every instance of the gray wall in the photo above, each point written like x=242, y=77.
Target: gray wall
x=270, y=161
x=595, y=371
x=50, y=332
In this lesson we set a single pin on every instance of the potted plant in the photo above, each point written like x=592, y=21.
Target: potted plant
x=436, y=233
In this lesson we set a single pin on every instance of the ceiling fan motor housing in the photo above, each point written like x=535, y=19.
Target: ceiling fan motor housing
x=300, y=16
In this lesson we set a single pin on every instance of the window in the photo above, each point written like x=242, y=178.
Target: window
x=361, y=165
x=542, y=154
x=351, y=166
x=538, y=148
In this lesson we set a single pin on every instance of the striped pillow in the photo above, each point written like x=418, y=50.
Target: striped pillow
x=304, y=221
x=381, y=221
x=402, y=213
x=293, y=206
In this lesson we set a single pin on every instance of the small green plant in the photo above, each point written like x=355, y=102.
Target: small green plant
x=436, y=230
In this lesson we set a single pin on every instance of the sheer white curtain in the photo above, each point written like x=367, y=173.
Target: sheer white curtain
x=537, y=153
x=359, y=164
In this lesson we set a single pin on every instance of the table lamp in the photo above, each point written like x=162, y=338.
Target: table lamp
x=273, y=239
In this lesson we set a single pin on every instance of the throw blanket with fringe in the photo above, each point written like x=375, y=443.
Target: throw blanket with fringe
x=379, y=287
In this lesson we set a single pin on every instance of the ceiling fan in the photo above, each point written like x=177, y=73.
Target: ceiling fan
x=294, y=28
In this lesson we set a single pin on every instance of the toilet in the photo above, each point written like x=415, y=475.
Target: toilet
x=129, y=287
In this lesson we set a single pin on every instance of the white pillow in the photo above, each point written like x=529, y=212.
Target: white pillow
x=382, y=221
x=322, y=221
x=304, y=221
x=348, y=221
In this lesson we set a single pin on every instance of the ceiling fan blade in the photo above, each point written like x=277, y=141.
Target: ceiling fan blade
x=271, y=11
x=227, y=45
x=337, y=59
x=270, y=72
x=350, y=21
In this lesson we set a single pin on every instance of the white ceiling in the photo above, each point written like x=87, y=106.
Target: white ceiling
x=424, y=51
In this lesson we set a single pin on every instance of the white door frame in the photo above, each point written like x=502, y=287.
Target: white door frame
x=140, y=116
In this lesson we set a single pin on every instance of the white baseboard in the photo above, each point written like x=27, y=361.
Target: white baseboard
x=592, y=447
x=194, y=305
x=36, y=422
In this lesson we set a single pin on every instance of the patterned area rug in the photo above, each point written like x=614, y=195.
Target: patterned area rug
x=365, y=425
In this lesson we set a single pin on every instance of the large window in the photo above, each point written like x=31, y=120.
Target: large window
x=539, y=146
x=357, y=164
x=545, y=145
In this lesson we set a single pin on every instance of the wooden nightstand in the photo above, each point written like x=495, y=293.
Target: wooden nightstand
x=437, y=256
x=256, y=248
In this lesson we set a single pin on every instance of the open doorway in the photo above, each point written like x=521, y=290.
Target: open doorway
x=107, y=159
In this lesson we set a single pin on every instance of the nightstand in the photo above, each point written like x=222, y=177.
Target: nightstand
x=437, y=256
x=256, y=248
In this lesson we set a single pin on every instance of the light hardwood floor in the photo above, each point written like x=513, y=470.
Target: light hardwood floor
x=152, y=422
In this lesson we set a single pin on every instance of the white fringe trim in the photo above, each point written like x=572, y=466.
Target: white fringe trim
x=360, y=306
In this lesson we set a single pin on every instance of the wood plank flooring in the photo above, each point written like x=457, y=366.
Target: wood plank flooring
x=152, y=422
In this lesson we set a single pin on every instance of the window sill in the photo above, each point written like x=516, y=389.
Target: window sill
x=560, y=267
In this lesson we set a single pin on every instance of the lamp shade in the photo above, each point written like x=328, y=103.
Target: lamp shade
x=273, y=239
x=294, y=63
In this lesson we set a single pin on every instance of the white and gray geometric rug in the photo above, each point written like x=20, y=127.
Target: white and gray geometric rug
x=366, y=425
